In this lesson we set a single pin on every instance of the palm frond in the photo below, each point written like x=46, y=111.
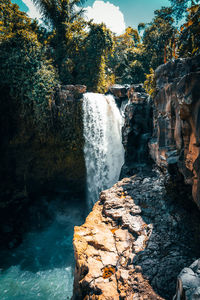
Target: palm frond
x=59, y=11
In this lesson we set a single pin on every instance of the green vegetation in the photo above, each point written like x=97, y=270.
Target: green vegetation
x=150, y=83
x=91, y=68
x=70, y=50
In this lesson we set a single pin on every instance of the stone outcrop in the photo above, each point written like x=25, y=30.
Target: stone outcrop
x=125, y=91
x=134, y=242
x=137, y=131
x=176, y=138
x=119, y=91
x=35, y=159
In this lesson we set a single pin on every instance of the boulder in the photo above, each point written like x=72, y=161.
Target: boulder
x=188, y=283
x=119, y=91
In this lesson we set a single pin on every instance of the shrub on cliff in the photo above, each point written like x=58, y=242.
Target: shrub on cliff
x=150, y=83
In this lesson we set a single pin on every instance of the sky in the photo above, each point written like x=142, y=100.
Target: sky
x=116, y=14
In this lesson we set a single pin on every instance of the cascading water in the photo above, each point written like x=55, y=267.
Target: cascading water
x=104, y=153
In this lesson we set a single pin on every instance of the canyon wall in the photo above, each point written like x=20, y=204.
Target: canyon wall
x=175, y=144
x=145, y=229
x=37, y=158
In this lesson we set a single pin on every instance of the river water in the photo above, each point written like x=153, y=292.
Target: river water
x=42, y=266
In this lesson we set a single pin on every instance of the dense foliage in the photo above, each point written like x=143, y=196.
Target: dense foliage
x=25, y=72
x=69, y=50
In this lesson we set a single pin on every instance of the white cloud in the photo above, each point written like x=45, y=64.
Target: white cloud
x=32, y=10
x=101, y=11
x=107, y=13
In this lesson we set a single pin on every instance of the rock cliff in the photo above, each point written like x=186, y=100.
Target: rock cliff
x=136, y=106
x=176, y=138
x=33, y=160
x=145, y=229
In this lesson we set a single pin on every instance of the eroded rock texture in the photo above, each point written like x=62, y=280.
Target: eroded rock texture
x=176, y=139
x=135, y=242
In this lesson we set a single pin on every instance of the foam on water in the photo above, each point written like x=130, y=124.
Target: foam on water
x=55, y=284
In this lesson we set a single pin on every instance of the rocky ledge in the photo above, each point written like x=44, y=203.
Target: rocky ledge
x=135, y=242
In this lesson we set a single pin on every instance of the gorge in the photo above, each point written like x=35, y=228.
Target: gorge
x=99, y=150
x=143, y=230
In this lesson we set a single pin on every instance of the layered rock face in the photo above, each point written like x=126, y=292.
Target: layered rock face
x=119, y=91
x=176, y=138
x=134, y=242
x=34, y=160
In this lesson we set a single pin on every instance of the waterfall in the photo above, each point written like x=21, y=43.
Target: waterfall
x=103, y=150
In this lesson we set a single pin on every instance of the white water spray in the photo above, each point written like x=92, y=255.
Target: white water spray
x=103, y=150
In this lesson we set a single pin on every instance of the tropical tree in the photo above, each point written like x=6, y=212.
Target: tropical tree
x=12, y=19
x=126, y=61
x=27, y=77
x=64, y=16
x=91, y=64
x=189, y=41
x=159, y=37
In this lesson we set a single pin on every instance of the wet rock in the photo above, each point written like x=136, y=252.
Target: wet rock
x=69, y=92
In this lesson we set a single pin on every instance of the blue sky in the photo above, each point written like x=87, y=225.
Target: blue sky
x=137, y=11
x=117, y=14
